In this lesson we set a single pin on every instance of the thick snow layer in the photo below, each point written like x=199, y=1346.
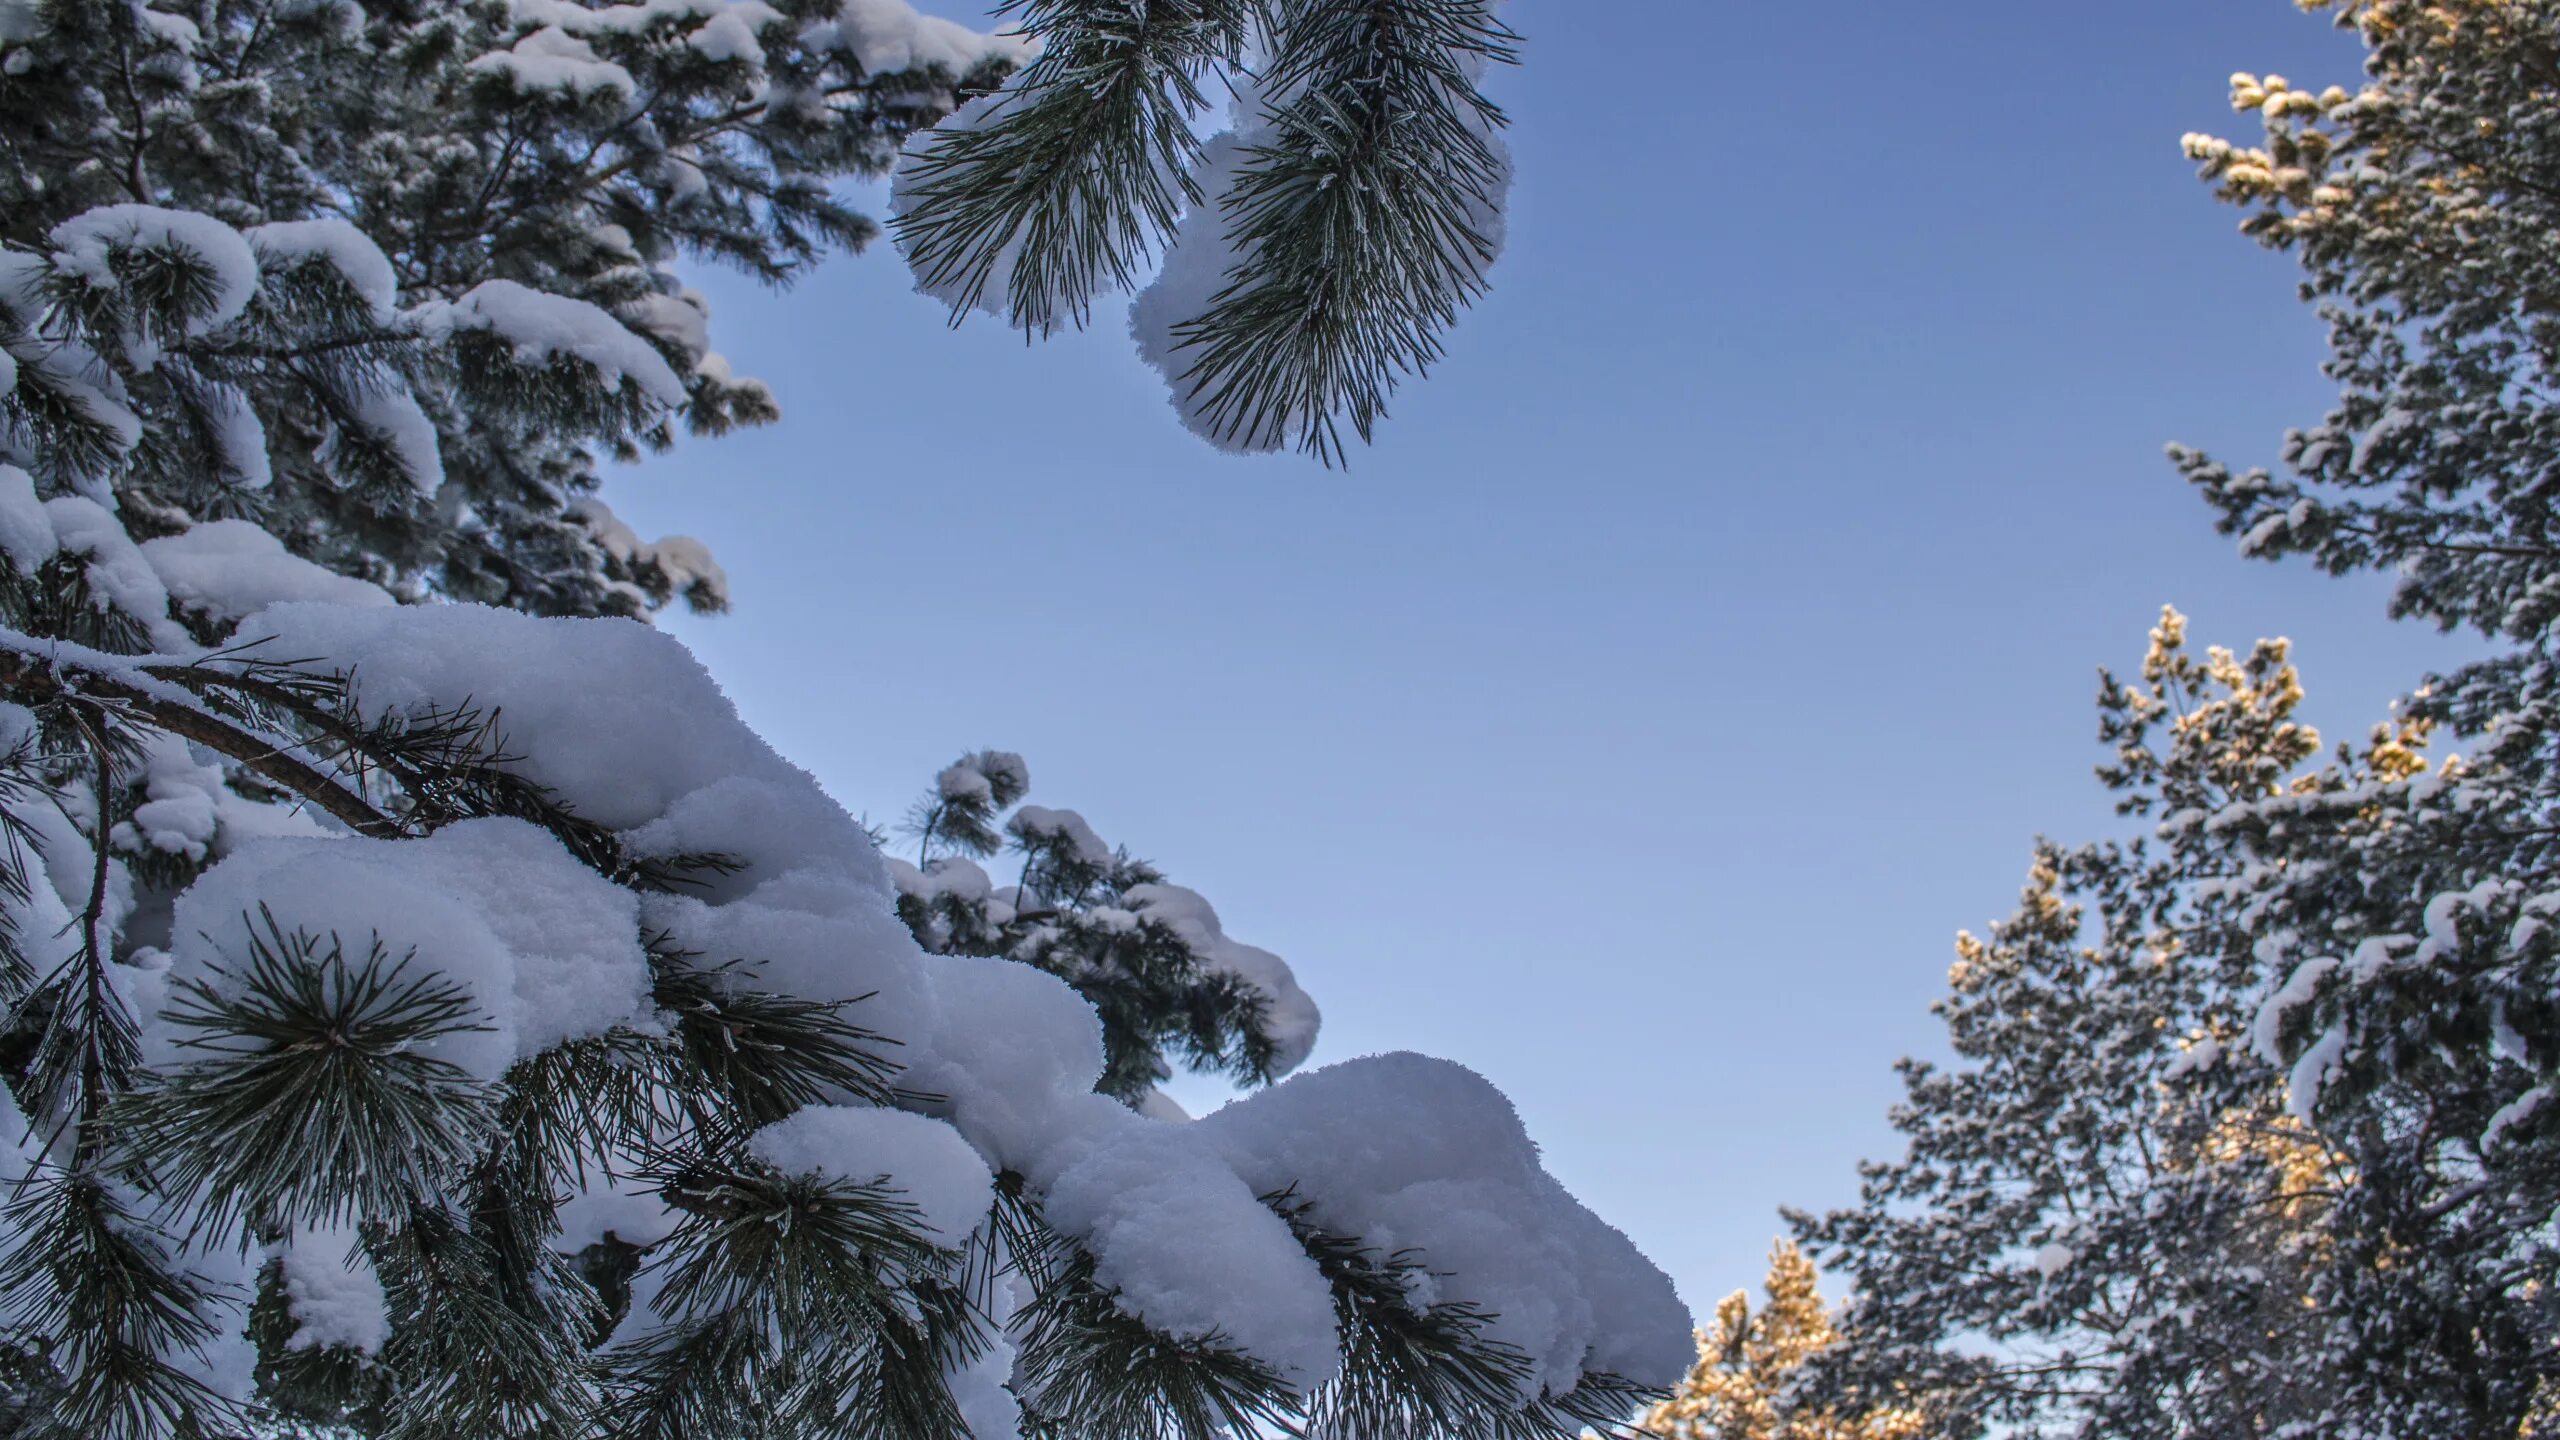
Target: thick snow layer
x=1183, y=1237
x=291, y=243
x=548, y=949
x=232, y=568
x=1203, y=259
x=333, y=1293
x=1292, y=1019
x=955, y=875
x=1198, y=263
x=552, y=59
x=541, y=326
x=26, y=535
x=1412, y=1154
x=924, y=1159
x=994, y=295
x=84, y=245
x=888, y=36
x=1040, y=823
x=619, y=720
x=616, y=717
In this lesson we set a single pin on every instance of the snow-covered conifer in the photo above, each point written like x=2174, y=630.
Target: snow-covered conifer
x=493, y=200
x=430, y=1019
x=2099, y=1227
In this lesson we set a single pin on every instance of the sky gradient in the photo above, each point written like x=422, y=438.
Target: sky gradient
x=1700, y=646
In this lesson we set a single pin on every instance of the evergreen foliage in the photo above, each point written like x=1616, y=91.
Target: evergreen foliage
x=2109, y=1188
x=1150, y=956
x=422, y=1020
x=578, y=153
x=1313, y=254
x=1742, y=1386
x=2250, y=1129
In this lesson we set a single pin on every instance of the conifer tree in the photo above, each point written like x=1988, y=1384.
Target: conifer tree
x=428, y=1019
x=1741, y=1387
x=2106, y=1219
x=2251, y=1132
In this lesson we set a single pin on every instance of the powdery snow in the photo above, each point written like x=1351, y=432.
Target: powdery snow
x=888, y=37
x=396, y=417
x=239, y=439
x=84, y=245
x=1291, y=1017
x=1409, y=1153
x=289, y=244
x=117, y=572
x=928, y=1163
x=620, y=721
x=26, y=535
x=1040, y=823
x=232, y=568
x=541, y=326
x=332, y=1291
x=552, y=59
x=548, y=949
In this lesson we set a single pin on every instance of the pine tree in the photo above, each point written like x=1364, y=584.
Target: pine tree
x=2416, y=1017
x=485, y=150
x=2252, y=1133
x=1740, y=1389
x=422, y=1019
x=2107, y=1220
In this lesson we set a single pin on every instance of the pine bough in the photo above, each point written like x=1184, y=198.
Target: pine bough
x=438, y=1020
x=1312, y=254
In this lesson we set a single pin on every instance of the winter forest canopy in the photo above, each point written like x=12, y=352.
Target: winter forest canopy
x=428, y=1009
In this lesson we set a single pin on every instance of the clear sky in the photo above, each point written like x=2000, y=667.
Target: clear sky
x=1704, y=642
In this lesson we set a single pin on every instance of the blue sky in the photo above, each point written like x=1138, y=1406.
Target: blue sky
x=1701, y=645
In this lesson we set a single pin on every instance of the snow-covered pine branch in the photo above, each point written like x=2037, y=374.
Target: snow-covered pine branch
x=434, y=1019
x=1311, y=256
x=1150, y=956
